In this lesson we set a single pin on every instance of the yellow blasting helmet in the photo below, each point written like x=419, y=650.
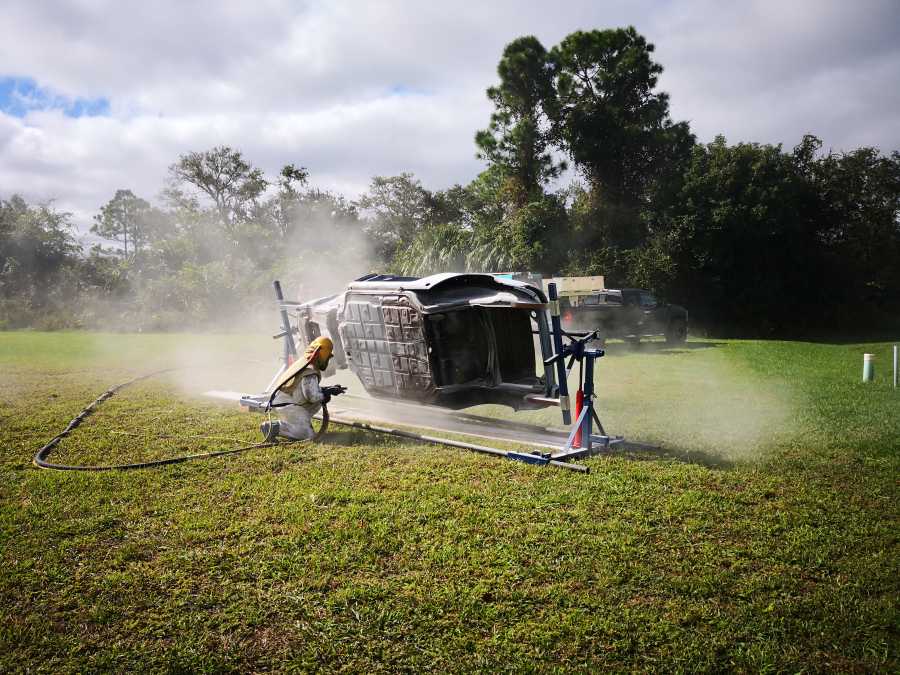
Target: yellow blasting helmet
x=324, y=346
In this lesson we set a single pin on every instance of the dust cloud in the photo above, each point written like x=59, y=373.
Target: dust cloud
x=702, y=398
x=234, y=350
x=699, y=398
x=701, y=401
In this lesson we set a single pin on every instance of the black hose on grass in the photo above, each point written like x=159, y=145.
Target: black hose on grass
x=40, y=458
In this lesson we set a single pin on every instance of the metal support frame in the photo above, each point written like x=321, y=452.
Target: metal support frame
x=591, y=443
x=587, y=418
x=287, y=332
x=556, y=330
x=290, y=350
x=546, y=343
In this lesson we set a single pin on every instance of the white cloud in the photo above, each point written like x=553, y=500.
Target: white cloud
x=316, y=84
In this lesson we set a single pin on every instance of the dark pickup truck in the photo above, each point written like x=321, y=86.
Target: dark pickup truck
x=629, y=313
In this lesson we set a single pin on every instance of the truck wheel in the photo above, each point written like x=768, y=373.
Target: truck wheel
x=676, y=333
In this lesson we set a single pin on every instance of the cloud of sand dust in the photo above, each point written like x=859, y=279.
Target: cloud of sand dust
x=696, y=400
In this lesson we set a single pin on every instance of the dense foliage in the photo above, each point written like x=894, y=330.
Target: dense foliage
x=752, y=238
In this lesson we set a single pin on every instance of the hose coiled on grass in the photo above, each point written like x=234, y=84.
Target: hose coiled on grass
x=40, y=458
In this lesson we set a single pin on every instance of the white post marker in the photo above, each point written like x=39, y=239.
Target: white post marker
x=868, y=367
x=896, y=350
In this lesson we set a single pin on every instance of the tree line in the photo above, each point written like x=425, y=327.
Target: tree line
x=754, y=239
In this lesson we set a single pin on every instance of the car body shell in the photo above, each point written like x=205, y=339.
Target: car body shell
x=449, y=339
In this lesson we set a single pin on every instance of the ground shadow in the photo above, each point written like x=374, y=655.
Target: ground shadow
x=662, y=348
x=347, y=436
x=634, y=451
x=646, y=452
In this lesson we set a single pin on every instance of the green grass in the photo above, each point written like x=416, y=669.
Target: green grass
x=765, y=538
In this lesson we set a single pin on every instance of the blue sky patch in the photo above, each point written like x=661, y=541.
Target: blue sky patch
x=21, y=95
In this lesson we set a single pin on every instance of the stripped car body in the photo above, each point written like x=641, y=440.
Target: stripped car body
x=452, y=340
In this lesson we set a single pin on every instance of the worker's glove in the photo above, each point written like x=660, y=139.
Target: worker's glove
x=333, y=390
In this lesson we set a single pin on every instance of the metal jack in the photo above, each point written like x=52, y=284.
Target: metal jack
x=589, y=442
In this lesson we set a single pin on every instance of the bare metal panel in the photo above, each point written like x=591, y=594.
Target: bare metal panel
x=386, y=341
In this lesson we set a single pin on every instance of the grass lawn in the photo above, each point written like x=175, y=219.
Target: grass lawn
x=766, y=538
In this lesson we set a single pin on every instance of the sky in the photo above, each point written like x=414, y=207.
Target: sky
x=100, y=95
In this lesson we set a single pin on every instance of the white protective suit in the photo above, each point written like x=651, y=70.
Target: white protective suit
x=299, y=385
x=296, y=420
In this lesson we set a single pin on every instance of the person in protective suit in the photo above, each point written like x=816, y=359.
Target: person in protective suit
x=297, y=394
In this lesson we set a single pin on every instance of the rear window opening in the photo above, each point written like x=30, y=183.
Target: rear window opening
x=481, y=345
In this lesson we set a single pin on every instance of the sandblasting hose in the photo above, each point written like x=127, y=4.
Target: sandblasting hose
x=40, y=458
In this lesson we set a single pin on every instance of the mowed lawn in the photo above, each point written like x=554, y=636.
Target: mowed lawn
x=764, y=537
